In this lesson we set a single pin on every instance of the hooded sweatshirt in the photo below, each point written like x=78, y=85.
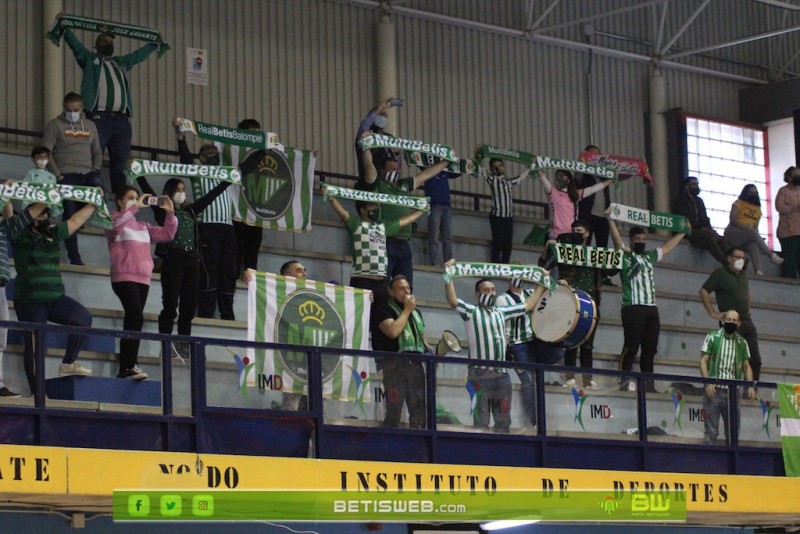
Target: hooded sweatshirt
x=129, y=245
x=74, y=146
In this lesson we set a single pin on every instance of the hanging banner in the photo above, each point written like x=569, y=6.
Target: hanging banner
x=789, y=395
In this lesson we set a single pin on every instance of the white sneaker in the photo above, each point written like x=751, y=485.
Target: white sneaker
x=777, y=260
x=569, y=383
x=134, y=373
x=592, y=385
x=631, y=386
x=760, y=272
x=74, y=368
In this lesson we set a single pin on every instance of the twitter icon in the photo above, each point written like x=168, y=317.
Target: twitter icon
x=171, y=505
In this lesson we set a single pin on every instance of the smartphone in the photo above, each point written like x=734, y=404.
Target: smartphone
x=396, y=102
x=155, y=201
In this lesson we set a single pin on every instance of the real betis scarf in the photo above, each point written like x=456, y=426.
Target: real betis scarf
x=530, y=273
x=144, y=167
x=411, y=338
x=789, y=400
x=376, y=140
x=74, y=22
x=55, y=195
x=417, y=203
x=316, y=314
x=622, y=164
x=584, y=256
x=231, y=136
x=652, y=219
x=595, y=169
x=506, y=154
x=462, y=166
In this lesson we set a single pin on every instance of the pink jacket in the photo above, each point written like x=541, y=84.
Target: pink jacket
x=129, y=245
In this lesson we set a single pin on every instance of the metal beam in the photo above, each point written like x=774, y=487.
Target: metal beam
x=599, y=16
x=683, y=28
x=735, y=42
x=661, y=23
x=786, y=66
x=533, y=25
x=777, y=3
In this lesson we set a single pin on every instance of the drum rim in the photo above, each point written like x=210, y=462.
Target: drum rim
x=574, y=294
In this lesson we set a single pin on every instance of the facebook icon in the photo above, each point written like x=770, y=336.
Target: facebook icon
x=138, y=505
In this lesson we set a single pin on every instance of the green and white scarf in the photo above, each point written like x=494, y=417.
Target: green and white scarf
x=651, y=219
x=583, y=256
x=74, y=22
x=462, y=166
x=55, y=195
x=231, y=136
x=529, y=273
x=417, y=203
x=595, y=169
x=145, y=167
x=506, y=154
x=376, y=140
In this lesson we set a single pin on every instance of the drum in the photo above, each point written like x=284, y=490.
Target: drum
x=566, y=316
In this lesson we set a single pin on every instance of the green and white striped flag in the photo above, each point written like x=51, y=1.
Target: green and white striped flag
x=789, y=399
x=304, y=312
x=277, y=187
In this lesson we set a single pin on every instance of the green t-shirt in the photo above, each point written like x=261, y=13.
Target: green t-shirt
x=368, y=245
x=731, y=288
x=402, y=187
x=37, y=258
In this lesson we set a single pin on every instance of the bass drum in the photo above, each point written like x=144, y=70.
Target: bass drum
x=565, y=316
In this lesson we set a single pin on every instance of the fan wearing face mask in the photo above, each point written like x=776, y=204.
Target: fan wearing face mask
x=501, y=216
x=180, y=266
x=724, y=355
x=564, y=198
x=742, y=231
x=689, y=204
x=40, y=175
x=375, y=122
x=484, y=323
x=730, y=285
x=369, y=232
x=132, y=267
x=787, y=204
x=641, y=323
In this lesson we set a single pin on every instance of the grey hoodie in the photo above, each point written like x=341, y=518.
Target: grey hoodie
x=75, y=147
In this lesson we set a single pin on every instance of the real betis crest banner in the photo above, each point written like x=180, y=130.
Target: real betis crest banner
x=417, y=203
x=530, y=273
x=583, y=256
x=304, y=312
x=276, y=189
x=376, y=140
x=789, y=399
x=652, y=219
x=55, y=195
x=623, y=165
x=144, y=167
x=232, y=136
x=140, y=33
x=595, y=169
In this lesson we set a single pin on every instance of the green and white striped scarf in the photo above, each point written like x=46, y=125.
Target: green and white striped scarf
x=417, y=203
x=74, y=22
x=529, y=273
x=56, y=194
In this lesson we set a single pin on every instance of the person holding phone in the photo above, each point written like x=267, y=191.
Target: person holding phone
x=132, y=266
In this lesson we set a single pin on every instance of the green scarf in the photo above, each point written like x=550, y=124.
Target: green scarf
x=74, y=22
x=145, y=167
x=417, y=203
x=55, y=195
x=411, y=339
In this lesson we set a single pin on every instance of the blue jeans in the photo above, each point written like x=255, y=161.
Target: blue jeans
x=70, y=207
x=522, y=354
x=66, y=311
x=439, y=226
x=114, y=133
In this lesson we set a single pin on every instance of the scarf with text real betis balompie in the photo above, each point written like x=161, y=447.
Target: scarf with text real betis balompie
x=376, y=140
x=145, y=167
x=529, y=273
x=417, y=203
x=233, y=136
x=74, y=22
x=789, y=400
x=304, y=312
x=650, y=219
x=56, y=194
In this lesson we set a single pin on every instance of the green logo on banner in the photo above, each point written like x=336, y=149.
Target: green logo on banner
x=268, y=186
x=308, y=318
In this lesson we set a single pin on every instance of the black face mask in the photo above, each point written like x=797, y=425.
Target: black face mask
x=730, y=328
x=212, y=160
x=638, y=248
x=573, y=238
x=796, y=180
x=753, y=199
x=42, y=226
x=694, y=190
x=106, y=49
x=373, y=215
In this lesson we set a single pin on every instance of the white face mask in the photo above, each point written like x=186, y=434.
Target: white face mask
x=73, y=116
x=41, y=163
x=380, y=121
x=179, y=198
x=738, y=265
x=129, y=204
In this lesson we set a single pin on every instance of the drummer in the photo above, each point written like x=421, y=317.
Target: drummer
x=485, y=328
x=588, y=279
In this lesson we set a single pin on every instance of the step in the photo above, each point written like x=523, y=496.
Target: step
x=104, y=390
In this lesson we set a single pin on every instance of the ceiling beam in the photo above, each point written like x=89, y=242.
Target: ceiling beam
x=533, y=25
x=734, y=42
x=604, y=14
x=683, y=28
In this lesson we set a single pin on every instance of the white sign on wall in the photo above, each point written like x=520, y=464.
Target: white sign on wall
x=196, y=66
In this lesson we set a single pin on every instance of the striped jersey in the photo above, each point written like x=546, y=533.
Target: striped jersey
x=112, y=88
x=520, y=329
x=486, y=331
x=638, y=287
x=37, y=259
x=726, y=355
x=368, y=245
x=502, y=189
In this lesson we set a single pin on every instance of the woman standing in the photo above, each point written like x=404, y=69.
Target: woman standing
x=787, y=204
x=132, y=267
x=564, y=199
x=742, y=230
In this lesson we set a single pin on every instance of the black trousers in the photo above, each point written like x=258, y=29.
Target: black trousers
x=180, y=276
x=248, y=243
x=641, y=326
x=133, y=297
x=502, y=238
x=218, y=275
